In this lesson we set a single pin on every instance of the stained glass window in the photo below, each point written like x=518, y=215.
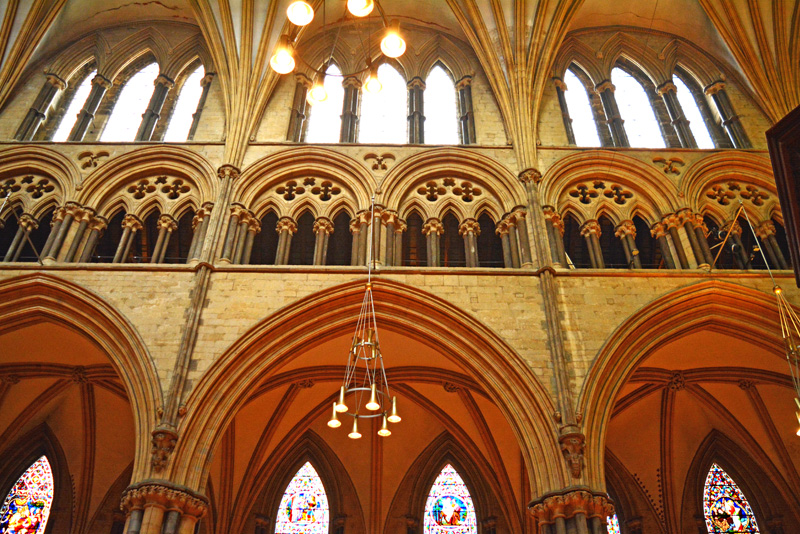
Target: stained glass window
x=613, y=524
x=724, y=505
x=75, y=107
x=304, y=507
x=27, y=505
x=449, y=508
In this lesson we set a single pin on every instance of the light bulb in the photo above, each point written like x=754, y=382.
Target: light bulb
x=373, y=84
x=341, y=407
x=373, y=405
x=360, y=8
x=392, y=45
x=334, y=422
x=300, y=13
x=317, y=93
x=354, y=434
x=394, y=417
x=384, y=431
x=282, y=61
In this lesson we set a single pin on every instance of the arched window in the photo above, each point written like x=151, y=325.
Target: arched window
x=181, y=121
x=107, y=244
x=325, y=120
x=649, y=253
x=302, y=246
x=144, y=241
x=451, y=244
x=490, y=246
x=383, y=114
x=180, y=240
x=449, y=505
x=130, y=106
x=27, y=506
x=75, y=107
x=580, y=111
x=610, y=244
x=635, y=109
x=415, y=246
x=575, y=245
x=613, y=524
x=265, y=244
x=304, y=506
x=441, y=114
x=340, y=242
x=693, y=115
x=724, y=505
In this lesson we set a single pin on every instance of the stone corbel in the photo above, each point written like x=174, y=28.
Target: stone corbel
x=530, y=176
x=573, y=445
x=163, y=443
x=228, y=171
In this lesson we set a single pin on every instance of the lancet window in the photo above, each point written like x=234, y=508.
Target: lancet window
x=19, y=231
x=26, y=508
x=325, y=118
x=612, y=524
x=301, y=251
x=578, y=112
x=693, y=114
x=265, y=242
x=183, y=114
x=640, y=124
x=130, y=106
x=725, y=507
x=304, y=506
x=441, y=113
x=449, y=508
x=415, y=251
x=74, y=108
x=383, y=114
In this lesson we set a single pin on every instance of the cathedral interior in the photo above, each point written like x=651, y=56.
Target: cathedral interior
x=563, y=213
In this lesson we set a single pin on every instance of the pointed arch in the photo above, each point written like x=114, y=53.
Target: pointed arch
x=147, y=40
x=724, y=504
x=28, y=502
x=449, y=503
x=39, y=163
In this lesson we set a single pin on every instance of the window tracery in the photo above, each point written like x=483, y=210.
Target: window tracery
x=304, y=507
x=449, y=508
x=27, y=506
x=724, y=505
x=130, y=106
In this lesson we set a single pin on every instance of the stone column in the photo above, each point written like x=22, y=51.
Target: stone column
x=669, y=95
x=71, y=210
x=730, y=120
x=502, y=229
x=591, y=233
x=237, y=211
x=37, y=113
x=323, y=228
x=356, y=230
x=518, y=216
x=466, y=117
x=153, y=112
x=416, y=111
x=166, y=225
x=687, y=220
x=160, y=507
x=659, y=231
x=100, y=84
x=199, y=230
x=671, y=223
x=130, y=225
x=513, y=241
x=606, y=91
x=399, y=228
x=55, y=226
x=389, y=220
x=298, y=116
x=253, y=229
x=83, y=217
x=96, y=228
x=572, y=510
x=626, y=232
x=246, y=220
x=352, y=96
x=737, y=247
x=286, y=228
x=27, y=224
x=555, y=235
x=561, y=87
x=698, y=225
x=469, y=230
x=766, y=233
x=432, y=229
x=206, y=84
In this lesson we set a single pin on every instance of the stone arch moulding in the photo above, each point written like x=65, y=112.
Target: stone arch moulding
x=728, y=308
x=506, y=378
x=36, y=298
x=760, y=481
x=36, y=177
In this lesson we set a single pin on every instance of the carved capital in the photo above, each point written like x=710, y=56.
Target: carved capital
x=98, y=223
x=167, y=222
x=102, y=81
x=165, y=81
x=207, y=79
x=715, y=88
x=685, y=216
x=573, y=445
x=163, y=443
x=239, y=211
x=323, y=224
x=433, y=226
x=733, y=227
x=626, y=228
x=666, y=88
x=253, y=225
x=765, y=229
x=132, y=222
x=28, y=223
x=518, y=215
x=165, y=495
x=416, y=83
x=469, y=226
x=286, y=223
x=569, y=503
x=591, y=227
x=529, y=176
x=559, y=83
x=658, y=230
x=464, y=82
x=228, y=171
x=74, y=209
x=605, y=86
x=551, y=215
x=671, y=221
x=400, y=226
x=55, y=81
x=351, y=82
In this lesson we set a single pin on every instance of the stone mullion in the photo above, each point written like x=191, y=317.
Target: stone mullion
x=298, y=116
x=166, y=225
x=55, y=225
x=26, y=225
x=253, y=228
x=84, y=217
x=555, y=236
x=663, y=117
x=376, y=233
x=669, y=95
x=466, y=117
x=736, y=238
x=626, y=233
x=701, y=233
x=561, y=87
x=432, y=229
x=286, y=228
x=37, y=113
x=389, y=219
x=355, y=230
x=130, y=224
x=206, y=84
x=671, y=223
x=518, y=216
x=416, y=111
x=590, y=230
x=615, y=122
x=717, y=131
x=766, y=233
x=241, y=237
x=199, y=229
x=468, y=230
x=100, y=85
x=513, y=242
x=237, y=211
x=162, y=85
x=71, y=210
x=502, y=230
x=352, y=95
x=658, y=231
x=730, y=120
x=400, y=227
x=323, y=228
x=687, y=221
x=96, y=227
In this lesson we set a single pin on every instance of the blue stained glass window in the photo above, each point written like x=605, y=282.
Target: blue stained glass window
x=27, y=505
x=304, y=506
x=449, y=508
x=724, y=505
x=613, y=524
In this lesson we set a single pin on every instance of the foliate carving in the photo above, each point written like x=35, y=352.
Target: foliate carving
x=228, y=171
x=90, y=160
x=166, y=495
x=163, y=443
x=746, y=384
x=28, y=223
x=469, y=226
x=306, y=384
x=167, y=222
x=677, y=382
x=567, y=505
x=433, y=226
x=79, y=375
x=132, y=222
x=451, y=387
x=290, y=190
x=671, y=221
x=323, y=225
x=669, y=166
x=733, y=228
x=98, y=223
x=765, y=229
x=658, y=230
x=286, y=223
x=591, y=227
x=626, y=228
x=380, y=163
x=724, y=193
x=530, y=176
x=551, y=215
x=572, y=447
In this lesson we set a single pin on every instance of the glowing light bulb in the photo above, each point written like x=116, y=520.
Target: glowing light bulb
x=373, y=405
x=360, y=8
x=300, y=13
x=384, y=431
x=373, y=84
x=354, y=434
x=317, y=93
x=341, y=407
x=394, y=417
x=282, y=61
x=392, y=45
x=334, y=422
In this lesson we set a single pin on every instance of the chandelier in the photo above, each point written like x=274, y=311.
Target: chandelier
x=364, y=393
x=300, y=13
